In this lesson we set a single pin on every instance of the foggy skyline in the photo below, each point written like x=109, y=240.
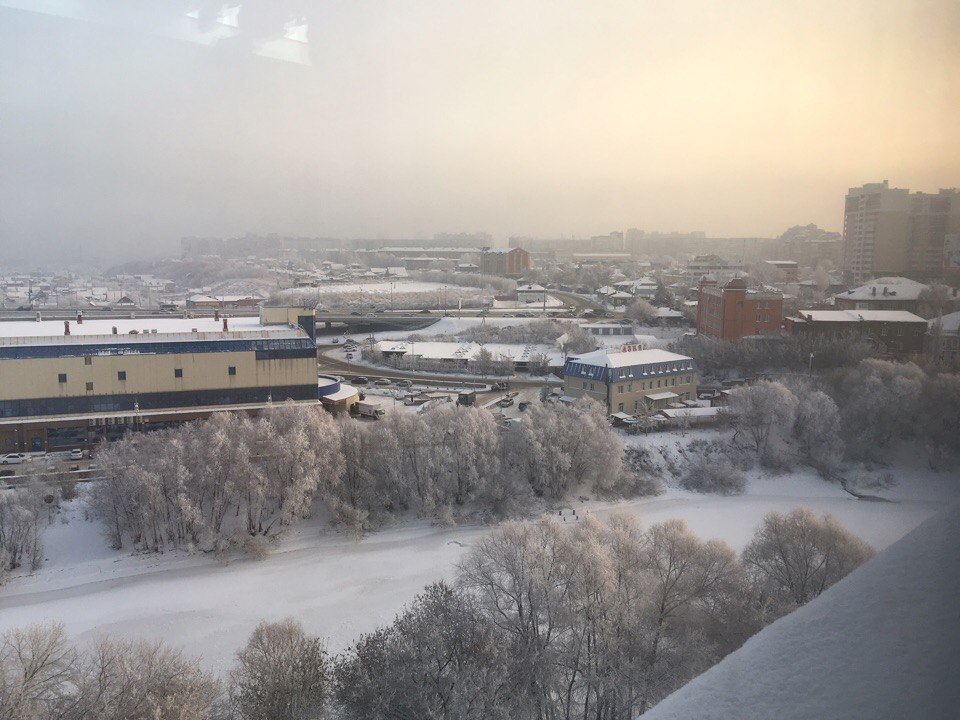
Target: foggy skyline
x=515, y=118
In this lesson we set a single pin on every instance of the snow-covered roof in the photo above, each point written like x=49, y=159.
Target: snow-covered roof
x=884, y=642
x=897, y=288
x=530, y=288
x=148, y=329
x=859, y=316
x=604, y=358
x=949, y=324
x=691, y=412
x=661, y=396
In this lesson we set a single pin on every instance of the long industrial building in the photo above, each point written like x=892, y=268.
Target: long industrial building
x=67, y=384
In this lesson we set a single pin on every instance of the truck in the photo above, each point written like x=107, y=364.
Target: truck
x=370, y=410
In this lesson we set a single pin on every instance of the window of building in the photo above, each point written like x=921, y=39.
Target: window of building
x=591, y=386
x=122, y=375
x=687, y=379
x=658, y=383
x=178, y=372
x=620, y=389
x=584, y=384
x=636, y=405
x=673, y=382
x=89, y=387
x=630, y=387
x=231, y=370
x=88, y=360
x=62, y=378
x=620, y=407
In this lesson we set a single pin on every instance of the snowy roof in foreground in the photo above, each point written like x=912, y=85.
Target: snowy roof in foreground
x=882, y=643
x=604, y=358
x=859, y=316
x=897, y=288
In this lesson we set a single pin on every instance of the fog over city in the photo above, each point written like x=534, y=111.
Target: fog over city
x=124, y=128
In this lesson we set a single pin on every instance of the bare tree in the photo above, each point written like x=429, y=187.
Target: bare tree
x=36, y=667
x=281, y=674
x=795, y=557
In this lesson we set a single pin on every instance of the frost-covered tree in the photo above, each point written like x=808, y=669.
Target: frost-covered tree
x=439, y=659
x=23, y=518
x=565, y=446
x=642, y=311
x=281, y=673
x=818, y=430
x=762, y=416
x=879, y=401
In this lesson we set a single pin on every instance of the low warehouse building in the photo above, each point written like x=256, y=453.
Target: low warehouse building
x=70, y=384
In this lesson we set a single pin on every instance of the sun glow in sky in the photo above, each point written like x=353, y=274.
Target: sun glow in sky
x=401, y=119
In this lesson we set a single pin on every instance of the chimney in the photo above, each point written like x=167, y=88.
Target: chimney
x=224, y=324
x=66, y=327
x=216, y=315
x=79, y=317
x=114, y=329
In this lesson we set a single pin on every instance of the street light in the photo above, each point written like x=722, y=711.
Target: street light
x=811, y=363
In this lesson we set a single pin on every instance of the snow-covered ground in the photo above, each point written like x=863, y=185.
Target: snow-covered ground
x=339, y=587
x=884, y=642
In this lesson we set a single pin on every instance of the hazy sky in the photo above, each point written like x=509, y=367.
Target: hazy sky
x=541, y=117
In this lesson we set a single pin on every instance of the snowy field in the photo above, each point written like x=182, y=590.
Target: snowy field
x=339, y=587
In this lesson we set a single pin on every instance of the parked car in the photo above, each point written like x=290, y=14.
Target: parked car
x=14, y=458
x=505, y=402
x=500, y=386
x=349, y=356
x=523, y=405
x=336, y=340
x=360, y=380
x=381, y=381
x=76, y=454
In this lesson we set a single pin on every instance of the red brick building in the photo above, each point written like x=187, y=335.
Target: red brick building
x=900, y=332
x=506, y=263
x=732, y=312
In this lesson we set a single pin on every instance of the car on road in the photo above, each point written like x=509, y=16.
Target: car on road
x=360, y=380
x=505, y=402
x=336, y=341
x=14, y=458
x=404, y=383
x=356, y=312
x=381, y=381
x=425, y=311
x=349, y=356
x=500, y=386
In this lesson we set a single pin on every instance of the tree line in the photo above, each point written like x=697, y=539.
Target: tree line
x=852, y=413
x=238, y=481
x=544, y=621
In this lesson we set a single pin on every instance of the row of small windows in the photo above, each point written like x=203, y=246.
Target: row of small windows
x=666, y=382
x=122, y=375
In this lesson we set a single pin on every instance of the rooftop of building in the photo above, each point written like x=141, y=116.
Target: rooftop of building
x=858, y=316
x=606, y=358
x=885, y=288
x=949, y=324
x=147, y=329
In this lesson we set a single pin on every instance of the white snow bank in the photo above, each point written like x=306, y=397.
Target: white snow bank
x=882, y=643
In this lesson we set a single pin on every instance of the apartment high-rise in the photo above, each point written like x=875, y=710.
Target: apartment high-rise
x=891, y=231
